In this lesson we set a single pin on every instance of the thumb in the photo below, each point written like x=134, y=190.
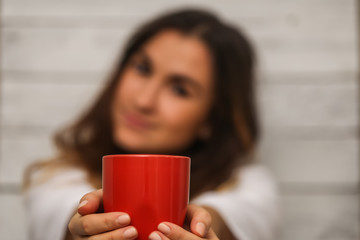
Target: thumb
x=200, y=220
x=91, y=203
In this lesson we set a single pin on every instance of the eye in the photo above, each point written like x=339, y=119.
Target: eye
x=179, y=89
x=142, y=67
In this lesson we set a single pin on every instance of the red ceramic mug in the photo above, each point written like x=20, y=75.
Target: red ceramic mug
x=150, y=188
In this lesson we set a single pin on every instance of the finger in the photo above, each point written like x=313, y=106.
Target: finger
x=97, y=223
x=211, y=235
x=90, y=202
x=173, y=232
x=156, y=235
x=127, y=233
x=200, y=220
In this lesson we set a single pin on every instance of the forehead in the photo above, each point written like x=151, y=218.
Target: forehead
x=171, y=50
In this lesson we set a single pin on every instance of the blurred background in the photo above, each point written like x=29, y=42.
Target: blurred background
x=55, y=56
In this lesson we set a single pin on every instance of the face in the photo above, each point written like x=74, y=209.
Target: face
x=164, y=95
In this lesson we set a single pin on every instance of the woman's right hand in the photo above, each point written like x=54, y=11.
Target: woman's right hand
x=90, y=223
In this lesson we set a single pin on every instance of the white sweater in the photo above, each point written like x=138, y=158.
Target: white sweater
x=250, y=208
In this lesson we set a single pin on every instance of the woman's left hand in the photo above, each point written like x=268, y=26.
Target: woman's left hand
x=199, y=221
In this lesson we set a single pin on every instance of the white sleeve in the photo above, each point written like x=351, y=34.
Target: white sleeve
x=50, y=205
x=250, y=209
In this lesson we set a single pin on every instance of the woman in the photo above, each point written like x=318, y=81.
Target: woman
x=185, y=86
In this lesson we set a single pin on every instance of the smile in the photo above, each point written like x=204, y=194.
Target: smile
x=136, y=122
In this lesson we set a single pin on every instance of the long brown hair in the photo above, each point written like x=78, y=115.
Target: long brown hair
x=233, y=120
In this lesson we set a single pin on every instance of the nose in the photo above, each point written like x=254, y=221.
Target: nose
x=146, y=98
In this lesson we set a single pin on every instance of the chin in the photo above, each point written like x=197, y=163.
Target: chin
x=131, y=143
x=132, y=147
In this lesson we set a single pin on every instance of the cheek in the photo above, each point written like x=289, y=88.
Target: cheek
x=125, y=87
x=128, y=89
x=184, y=119
x=123, y=92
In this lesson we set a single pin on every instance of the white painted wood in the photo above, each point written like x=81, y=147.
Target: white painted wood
x=288, y=35
x=308, y=133
x=89, y=8
x=19, y=151
x=94, y=49
x=320, y=217
x=60, y=49
x=114, y=7
x=309, y=105
x=45, y=104
x=56, y=77
x=309, y=77
x=312, y=162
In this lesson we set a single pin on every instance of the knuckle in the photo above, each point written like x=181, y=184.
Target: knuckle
x=86, y=226
x=203, y=215
x=177, y=233
x=181, y=235
x=111, y=236
x=71, y=226
x=108, y=223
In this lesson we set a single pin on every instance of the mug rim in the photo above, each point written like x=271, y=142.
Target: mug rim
x=145, y=155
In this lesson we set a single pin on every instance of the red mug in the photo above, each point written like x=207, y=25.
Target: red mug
x=150, y=188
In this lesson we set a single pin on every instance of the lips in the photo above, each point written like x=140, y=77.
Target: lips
x=136, y=121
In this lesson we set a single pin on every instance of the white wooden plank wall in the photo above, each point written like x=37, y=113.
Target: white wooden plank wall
x=55, y=54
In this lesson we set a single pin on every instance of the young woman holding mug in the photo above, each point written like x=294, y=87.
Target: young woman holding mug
x=184, y=86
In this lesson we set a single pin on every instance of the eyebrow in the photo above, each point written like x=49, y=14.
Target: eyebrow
x=142, y=53
x=177, y=77
x=173, y=76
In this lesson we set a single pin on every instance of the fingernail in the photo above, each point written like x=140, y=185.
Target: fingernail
x=83, y=203
x=154, y=236
x=200, y=228
x=123, y=219
x=164, y=228
x=130, y=232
